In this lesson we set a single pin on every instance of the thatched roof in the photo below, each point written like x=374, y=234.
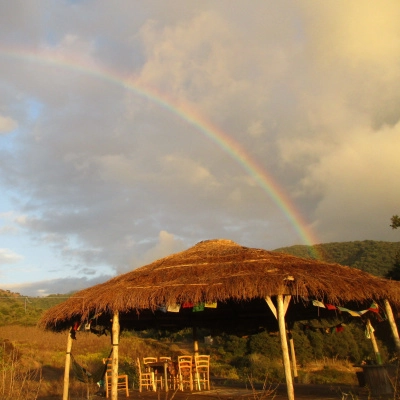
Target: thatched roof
x=218, y=271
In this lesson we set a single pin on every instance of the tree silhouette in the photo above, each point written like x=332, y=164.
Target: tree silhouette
x=394, y=273
x=395, y=222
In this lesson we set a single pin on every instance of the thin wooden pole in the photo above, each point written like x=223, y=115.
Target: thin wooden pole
x=114, y=369
x=392, y=324
x=195, y=342
x=371, y=333
x=293, y=356
x=67, y=366
x=285, y=350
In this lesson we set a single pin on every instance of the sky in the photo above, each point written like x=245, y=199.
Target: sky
x=130, y=130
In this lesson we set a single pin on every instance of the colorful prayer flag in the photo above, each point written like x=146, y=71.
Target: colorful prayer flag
x=198, y=307
x=318, y=303
x=339, y=328
x=174, y=308
x=374, y=307
x=354, y=313
x=211, y=305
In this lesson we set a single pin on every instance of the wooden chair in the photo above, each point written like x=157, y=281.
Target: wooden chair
x=146, y=379
x=122, y=381
x=202, y=371
x=158, y=379
x=147, y=360
x=185, y=372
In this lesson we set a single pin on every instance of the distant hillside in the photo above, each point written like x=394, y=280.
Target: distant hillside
x=370, y=256
x=22, y=310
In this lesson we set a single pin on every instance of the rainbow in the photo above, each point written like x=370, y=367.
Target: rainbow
x=186, y=113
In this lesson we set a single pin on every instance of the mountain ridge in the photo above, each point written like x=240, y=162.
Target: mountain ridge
x=374, y=257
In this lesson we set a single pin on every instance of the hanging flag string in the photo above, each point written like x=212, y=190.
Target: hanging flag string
x=373, y=308
x=195, y=307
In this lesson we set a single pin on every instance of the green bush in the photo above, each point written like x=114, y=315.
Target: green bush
x=261, y=367
x=264, y=343
x=331, y=375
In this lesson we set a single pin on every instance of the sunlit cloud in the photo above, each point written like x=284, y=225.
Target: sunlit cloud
x=9, y=257
x=149, y=128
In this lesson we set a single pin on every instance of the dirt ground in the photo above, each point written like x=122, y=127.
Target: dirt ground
x=302, y=392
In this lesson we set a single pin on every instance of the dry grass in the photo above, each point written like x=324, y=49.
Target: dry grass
x=33, y=361
x=329, y=371
x=19, y=379
x=32, y=366
x=268, y=390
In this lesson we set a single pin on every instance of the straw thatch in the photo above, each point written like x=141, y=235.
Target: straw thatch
x=218, y=271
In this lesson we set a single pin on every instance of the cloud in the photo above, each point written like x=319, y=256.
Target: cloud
x=54, y=286
x=190, y=62
x=7, y=125
x=347, y=198
x=141, y=130
x=167, y=244
x=7, y=256
x=357, y=33
x=8, y=225
x=190, y=172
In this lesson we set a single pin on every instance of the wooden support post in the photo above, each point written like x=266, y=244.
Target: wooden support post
x=393, y=325
x=271, y=306
x=115, y=343
x=371, y=333
x=293, y=356
x=285, y=350
x=286, y=302
x=195, y=342
x=67, y=366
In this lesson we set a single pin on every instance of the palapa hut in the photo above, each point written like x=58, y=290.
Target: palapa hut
x=239, y=288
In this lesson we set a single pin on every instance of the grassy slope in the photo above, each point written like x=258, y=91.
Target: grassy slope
x=22, y=310
x=375, y=257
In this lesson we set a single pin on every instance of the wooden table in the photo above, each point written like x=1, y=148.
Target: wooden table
x=160, y=366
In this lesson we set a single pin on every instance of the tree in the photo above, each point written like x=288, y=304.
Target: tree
x=394, y=273
x=395, y=222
